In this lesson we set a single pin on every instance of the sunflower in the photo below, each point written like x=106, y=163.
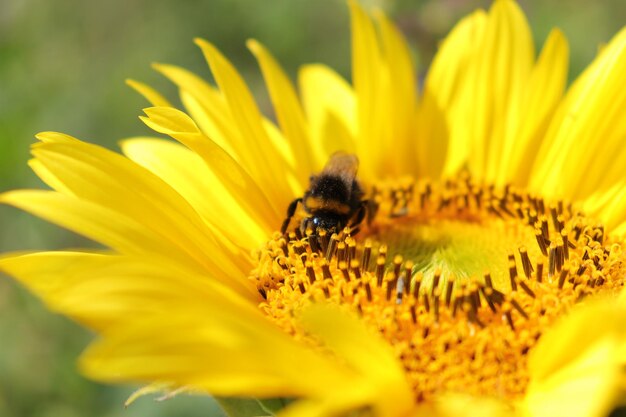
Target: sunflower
x=487, y=278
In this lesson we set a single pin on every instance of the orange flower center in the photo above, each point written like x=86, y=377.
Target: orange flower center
x=461, y=280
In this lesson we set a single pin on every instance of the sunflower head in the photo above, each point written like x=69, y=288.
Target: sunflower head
x=378, y=250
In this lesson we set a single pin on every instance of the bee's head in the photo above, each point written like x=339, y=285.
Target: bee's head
x=326, y=222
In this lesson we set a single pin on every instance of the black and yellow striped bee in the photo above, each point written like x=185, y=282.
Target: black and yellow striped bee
x=334, y=198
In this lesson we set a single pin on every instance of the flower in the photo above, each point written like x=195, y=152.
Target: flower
x=489, y=279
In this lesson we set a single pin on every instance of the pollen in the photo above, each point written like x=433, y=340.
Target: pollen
x=461, y=279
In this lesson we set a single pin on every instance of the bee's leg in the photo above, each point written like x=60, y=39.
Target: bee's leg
x=291, y=210
x=358, y=218
x=359, y=215
x=306, y=224
x=372, y=209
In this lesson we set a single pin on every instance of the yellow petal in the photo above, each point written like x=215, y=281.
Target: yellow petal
x=93, y=221
x=399, y=128
x=445, y=75
x=288, y=110
x=336, y=405
x=234, y=177
x=455, y=404
x=439, y=105
x=190, y=176
x=384, y=378
x=610, y=206
x=295, y=181
x=368, y=77
x=497, y=67
x=330, y=107
x=209, y=111
x=150, y=94
x=126, y=236
x=48, y=177
x=258, y=154
x=206, y=106
x=225, y=351
x=103, y=291
x=538, y=103
x=496, y=82
x=584, y=143
x=578, y=359
x=56, y=137
x=587, y=388
x=168, y=121
x=108, y=179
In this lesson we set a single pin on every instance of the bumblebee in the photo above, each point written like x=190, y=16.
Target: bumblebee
x=334, y=198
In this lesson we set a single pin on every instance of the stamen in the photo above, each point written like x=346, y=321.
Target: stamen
x=397, y=264
x=380, y=270
x=436, y=278
x=554, y=214
x=325, y=269
x=506, y=310
x=310, y=272
x=565, y=238
x=312, y=239
x=449, y=288
x=322, y=237
x=391, y=285
x=541, y=205
x=356, y=270
x=282, y=243
x=368, y=290
x=426, y=302
x=332, y=247
x=437, y=294
x=417, y=282
x=539, y=271
x=526, y=288
x=341, y=252
x=563, y=276
x=408, y=271
x=457, y=303
x=399, y=290
x=526, y=264
x=513, y=275
x=552, y=261
x=516, y=305
x=488, y=282
x=367, y=253
x=533, y=217
x=487, y=293
x=560, y=257
x=544, y=228
x=351, y=250
x=394, y=281
x=326, y=289
x=300, y=250
x=541, y=241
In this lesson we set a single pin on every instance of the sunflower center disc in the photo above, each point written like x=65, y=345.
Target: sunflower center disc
x=460, y=279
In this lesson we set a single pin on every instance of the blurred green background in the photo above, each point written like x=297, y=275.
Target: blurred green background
x=62, y=67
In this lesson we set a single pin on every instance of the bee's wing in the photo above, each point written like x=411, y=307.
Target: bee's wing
x=342, y=164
